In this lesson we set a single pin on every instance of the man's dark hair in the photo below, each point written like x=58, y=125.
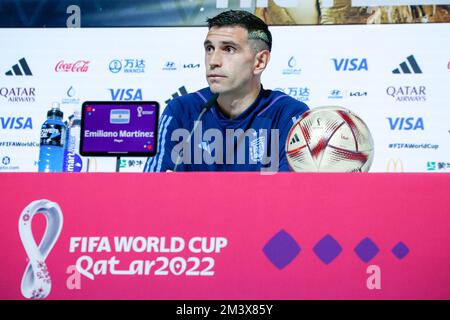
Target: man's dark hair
x=257, y=29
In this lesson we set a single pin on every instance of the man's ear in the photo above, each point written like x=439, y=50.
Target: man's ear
x=261, y=61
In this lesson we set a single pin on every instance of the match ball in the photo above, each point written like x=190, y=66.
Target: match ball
x=329, y=139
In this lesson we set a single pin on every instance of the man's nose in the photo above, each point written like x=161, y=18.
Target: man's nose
x=214, y=60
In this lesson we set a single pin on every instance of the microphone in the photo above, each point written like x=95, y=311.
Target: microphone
x=208, y=105
x=205, y=108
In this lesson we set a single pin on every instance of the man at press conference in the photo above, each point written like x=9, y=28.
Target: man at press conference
x=234, y=124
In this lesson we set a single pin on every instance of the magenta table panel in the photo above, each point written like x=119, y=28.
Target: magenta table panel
x=225, y=236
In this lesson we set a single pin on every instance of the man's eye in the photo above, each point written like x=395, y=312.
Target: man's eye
x=209, y=49
x=230, y=49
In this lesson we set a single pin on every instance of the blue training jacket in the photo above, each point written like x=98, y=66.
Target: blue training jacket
x=253, y=141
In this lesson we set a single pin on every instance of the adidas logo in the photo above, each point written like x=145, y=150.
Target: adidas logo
x=404, y=68
x=294, y=139
x=182, y=91
x=20, y=69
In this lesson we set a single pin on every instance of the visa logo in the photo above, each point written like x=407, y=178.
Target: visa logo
x=126, y=94
x=406, y=123
x=353, y=64
x=16, y=123
x=119, y=116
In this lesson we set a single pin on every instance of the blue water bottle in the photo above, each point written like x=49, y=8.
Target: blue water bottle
x=53, y=137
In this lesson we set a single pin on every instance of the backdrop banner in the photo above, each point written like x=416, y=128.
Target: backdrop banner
x=393, y=76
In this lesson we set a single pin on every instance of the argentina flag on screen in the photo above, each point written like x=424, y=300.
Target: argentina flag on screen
x=119, y=116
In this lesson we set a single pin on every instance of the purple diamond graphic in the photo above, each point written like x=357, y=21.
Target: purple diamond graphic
x=327, y=249
x=281, y=249
x=366, y=250
x=400, y=250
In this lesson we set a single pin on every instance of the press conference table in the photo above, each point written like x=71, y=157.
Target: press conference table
x=229, y=236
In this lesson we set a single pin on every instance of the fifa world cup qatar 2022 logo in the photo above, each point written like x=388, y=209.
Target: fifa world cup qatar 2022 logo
x=36, y=282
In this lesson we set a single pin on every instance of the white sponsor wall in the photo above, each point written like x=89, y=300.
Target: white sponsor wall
x=349, y=66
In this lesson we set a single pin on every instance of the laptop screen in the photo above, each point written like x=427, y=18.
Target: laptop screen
x=119, y=128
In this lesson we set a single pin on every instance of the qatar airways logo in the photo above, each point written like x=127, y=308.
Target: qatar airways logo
x=77, y=66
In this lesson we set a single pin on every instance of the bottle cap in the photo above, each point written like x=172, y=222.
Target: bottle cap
x=55, y=111
x=77, y=114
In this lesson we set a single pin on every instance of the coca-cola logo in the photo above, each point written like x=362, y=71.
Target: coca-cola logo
x=78, y=66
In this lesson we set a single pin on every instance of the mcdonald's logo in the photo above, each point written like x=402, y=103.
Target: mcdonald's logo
x=395, y=165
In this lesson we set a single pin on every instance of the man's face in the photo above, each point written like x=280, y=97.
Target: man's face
x=229, y=59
